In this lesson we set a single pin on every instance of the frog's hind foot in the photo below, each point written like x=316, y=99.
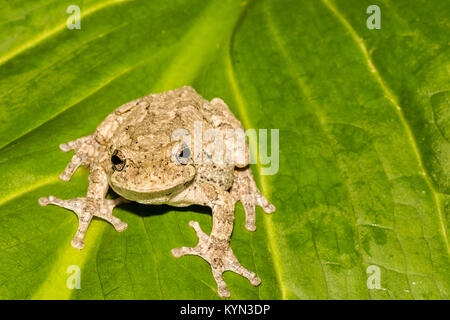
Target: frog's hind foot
x=244, y=189
x=85, y=209
x=218, y=254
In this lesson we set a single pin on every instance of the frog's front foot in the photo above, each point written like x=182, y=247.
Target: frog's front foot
x=244, y=189
x=85, y=209
x=86, y=148
x=218, y=254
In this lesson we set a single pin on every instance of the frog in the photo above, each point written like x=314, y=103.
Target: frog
x=133, y=152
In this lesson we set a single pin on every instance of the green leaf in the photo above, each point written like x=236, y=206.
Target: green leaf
x=364, y=170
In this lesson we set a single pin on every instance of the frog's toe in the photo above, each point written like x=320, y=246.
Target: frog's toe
x=222, y=261
x=223, y=292
x=119, y=225
x=244, y=189
x=65, y=147
x=44, y=201
x=179, y=252
x=105, y=213
x=176, y=252
x=74, y=144
x=264, y=203
x=249, y=202
x=200, y=234
x=77, y=243
x=256, y=281
x=71, y=168
x=250, y=217
x=221, y=285
x=239, y=269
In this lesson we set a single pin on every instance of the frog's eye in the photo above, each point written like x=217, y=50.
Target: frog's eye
x=184, y=155
x=118, y=160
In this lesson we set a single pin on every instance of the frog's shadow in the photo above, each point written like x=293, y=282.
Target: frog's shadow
x=146, y=210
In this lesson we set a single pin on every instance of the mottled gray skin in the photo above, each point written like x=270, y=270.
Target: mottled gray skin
x=133, y=153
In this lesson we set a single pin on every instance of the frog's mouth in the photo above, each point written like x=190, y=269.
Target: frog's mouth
x=154, y=196
x=155, y=192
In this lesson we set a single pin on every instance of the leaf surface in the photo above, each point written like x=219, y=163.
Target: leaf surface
x=363, y=118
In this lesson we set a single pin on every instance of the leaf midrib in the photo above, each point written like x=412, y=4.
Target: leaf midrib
x=242, y=108
x=320, y=119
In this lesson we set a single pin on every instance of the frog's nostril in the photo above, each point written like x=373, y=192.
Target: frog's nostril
x=184, y=155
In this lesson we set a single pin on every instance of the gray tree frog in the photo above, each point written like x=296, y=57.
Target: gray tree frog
x=132, y=151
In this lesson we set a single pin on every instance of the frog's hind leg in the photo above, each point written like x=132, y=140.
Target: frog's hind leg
x=94, y=204
x=244, y=189
x=85, y=210
x=219, y=255
x=215, y=248
x=77, y=205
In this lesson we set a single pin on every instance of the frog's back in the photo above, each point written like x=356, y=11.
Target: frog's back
x=180, y=107
x=154, y=118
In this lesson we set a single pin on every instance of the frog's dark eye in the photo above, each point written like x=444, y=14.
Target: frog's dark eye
x=118, y=160
x=184, y=155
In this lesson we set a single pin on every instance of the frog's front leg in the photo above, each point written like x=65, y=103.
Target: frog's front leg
x=244, y=189
x=94, y=204
x=215, y=248
x=86, y=150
